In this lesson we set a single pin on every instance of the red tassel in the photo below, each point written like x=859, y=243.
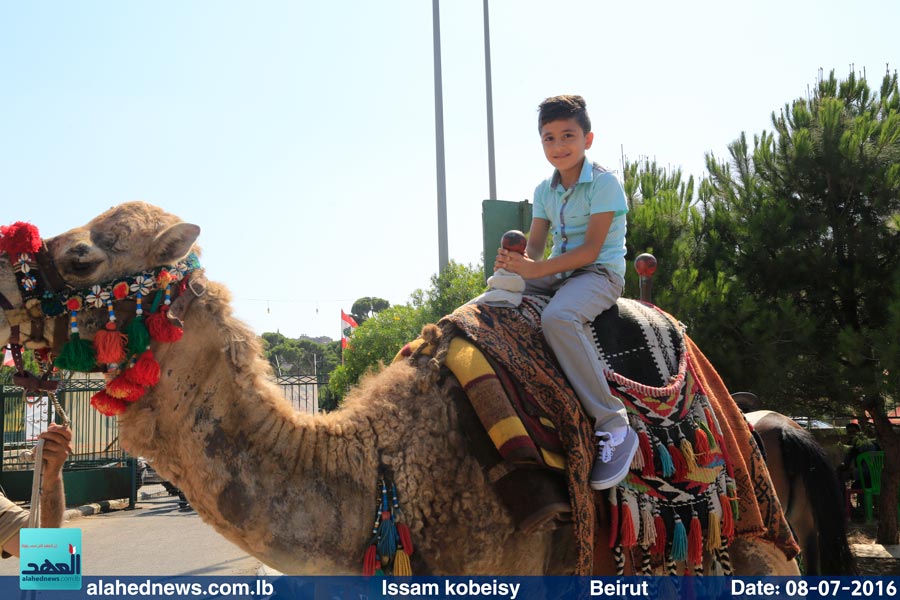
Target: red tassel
x=125, y=390
x=629, y=539
x=19, y=238
x=144, y=372
x=405, y=538
x=701, y=446
x=659, y=547
x=161, y=329
x=109, y=345
x=108, y=405
x=647, y=452
x=695, y=541
x=613, y=522
x=679, y=462
x=369, y=560
x=727, y=517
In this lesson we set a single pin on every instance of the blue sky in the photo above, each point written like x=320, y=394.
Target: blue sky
x=300, y=135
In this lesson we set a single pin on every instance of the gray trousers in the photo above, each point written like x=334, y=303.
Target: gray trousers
x=576, y=301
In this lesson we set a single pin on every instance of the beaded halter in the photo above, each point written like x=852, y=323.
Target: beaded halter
x=125, y=356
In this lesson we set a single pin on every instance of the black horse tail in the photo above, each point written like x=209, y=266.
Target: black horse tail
x=805, y=458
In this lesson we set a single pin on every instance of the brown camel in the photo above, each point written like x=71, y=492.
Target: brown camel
x=297, y=491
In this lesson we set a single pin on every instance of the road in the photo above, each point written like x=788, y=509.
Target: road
x=156, y=538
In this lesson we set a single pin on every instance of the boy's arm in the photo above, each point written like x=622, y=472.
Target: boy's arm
x=587, y=253
x=537, y=239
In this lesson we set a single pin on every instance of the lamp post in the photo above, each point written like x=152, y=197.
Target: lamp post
x=443, y=253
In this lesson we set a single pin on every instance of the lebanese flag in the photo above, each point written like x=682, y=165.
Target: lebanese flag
x=8, y=358
x=347, y=327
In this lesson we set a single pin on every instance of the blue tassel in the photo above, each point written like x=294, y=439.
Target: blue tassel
x=679, y=541
x=387, y=530
x=668, y=465
x=387, y=538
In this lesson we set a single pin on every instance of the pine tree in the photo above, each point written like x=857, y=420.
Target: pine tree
x=804, y=227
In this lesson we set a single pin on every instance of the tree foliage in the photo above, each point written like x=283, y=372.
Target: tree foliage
x=376, y=342
x=788, y=274
x=802, y=222
x=367, y=307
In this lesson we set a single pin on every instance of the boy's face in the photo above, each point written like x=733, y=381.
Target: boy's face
x=564, y=143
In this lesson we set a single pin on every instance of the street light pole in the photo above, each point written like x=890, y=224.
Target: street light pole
x=492, y=177
x=443, y=253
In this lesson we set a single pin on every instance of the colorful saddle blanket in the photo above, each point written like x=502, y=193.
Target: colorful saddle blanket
x=690, y=487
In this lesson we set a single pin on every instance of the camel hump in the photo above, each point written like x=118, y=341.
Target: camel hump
x=639, y=341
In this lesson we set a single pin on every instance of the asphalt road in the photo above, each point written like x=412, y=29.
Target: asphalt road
x=156, y=538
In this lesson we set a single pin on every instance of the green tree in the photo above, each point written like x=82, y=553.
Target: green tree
x=367, y=307
x=451, y=288
x=801, y=244
x=376, y=342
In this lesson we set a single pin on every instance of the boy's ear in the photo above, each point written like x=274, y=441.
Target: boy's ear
x=588, y=140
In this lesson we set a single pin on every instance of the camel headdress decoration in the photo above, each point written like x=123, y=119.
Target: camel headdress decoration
x=294, y=490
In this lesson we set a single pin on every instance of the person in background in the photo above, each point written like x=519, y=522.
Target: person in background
x=855, y=443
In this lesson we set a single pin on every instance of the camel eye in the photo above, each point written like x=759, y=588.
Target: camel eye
x=104, y=239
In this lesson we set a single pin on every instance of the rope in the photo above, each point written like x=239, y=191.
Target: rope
x=34, y=519
x=677, y=381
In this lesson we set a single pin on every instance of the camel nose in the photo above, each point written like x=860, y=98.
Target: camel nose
x=79, y=250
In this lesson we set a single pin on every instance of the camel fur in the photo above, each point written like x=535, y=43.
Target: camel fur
x=298, y=491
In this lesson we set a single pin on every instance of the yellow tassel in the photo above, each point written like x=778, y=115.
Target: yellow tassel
x=402, y=568
x=713, y=536
x=689, y=457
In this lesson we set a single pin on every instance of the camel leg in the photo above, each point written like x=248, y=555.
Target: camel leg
x=756, y=557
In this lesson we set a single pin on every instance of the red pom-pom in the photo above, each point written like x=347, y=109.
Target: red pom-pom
x=110, y=345
x=73, y=303
x=161, y=329
x=144, y=372
x=108, y=405
x=125, y=390
x=120, y=290
x=19, y=238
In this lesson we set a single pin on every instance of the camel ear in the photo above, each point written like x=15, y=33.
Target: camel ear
x=175, y=242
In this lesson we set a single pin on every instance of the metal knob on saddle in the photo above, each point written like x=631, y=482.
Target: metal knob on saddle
x=645, y=265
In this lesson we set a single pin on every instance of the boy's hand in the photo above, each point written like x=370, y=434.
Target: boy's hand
x=515, y=262
x=57, y=447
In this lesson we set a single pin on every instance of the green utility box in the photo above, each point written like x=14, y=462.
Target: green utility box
x=82, y=485
x=498, y=217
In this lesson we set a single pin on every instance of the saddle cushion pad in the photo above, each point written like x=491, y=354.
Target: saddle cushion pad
x=640, y=348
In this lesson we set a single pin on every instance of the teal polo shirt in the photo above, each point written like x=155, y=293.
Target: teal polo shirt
x=568, y=212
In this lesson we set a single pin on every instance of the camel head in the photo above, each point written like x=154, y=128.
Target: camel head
x=126, y=239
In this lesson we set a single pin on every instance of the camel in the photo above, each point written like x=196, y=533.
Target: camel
x=297, y=491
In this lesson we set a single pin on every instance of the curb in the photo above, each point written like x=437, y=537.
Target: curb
x=95, y=508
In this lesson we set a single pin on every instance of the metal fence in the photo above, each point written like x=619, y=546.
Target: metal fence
x=95, y=437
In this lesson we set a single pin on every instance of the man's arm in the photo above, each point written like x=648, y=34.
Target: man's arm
x=57, y=447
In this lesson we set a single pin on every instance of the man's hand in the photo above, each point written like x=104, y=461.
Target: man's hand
x=57, y=448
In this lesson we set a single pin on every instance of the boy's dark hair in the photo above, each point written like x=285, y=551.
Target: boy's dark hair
x=567, y=106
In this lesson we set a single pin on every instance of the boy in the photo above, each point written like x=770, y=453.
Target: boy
x=583, y=206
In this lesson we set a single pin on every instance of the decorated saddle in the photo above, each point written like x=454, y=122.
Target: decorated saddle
x=690, y=489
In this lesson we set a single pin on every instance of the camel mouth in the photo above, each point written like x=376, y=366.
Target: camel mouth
x=79, y=271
